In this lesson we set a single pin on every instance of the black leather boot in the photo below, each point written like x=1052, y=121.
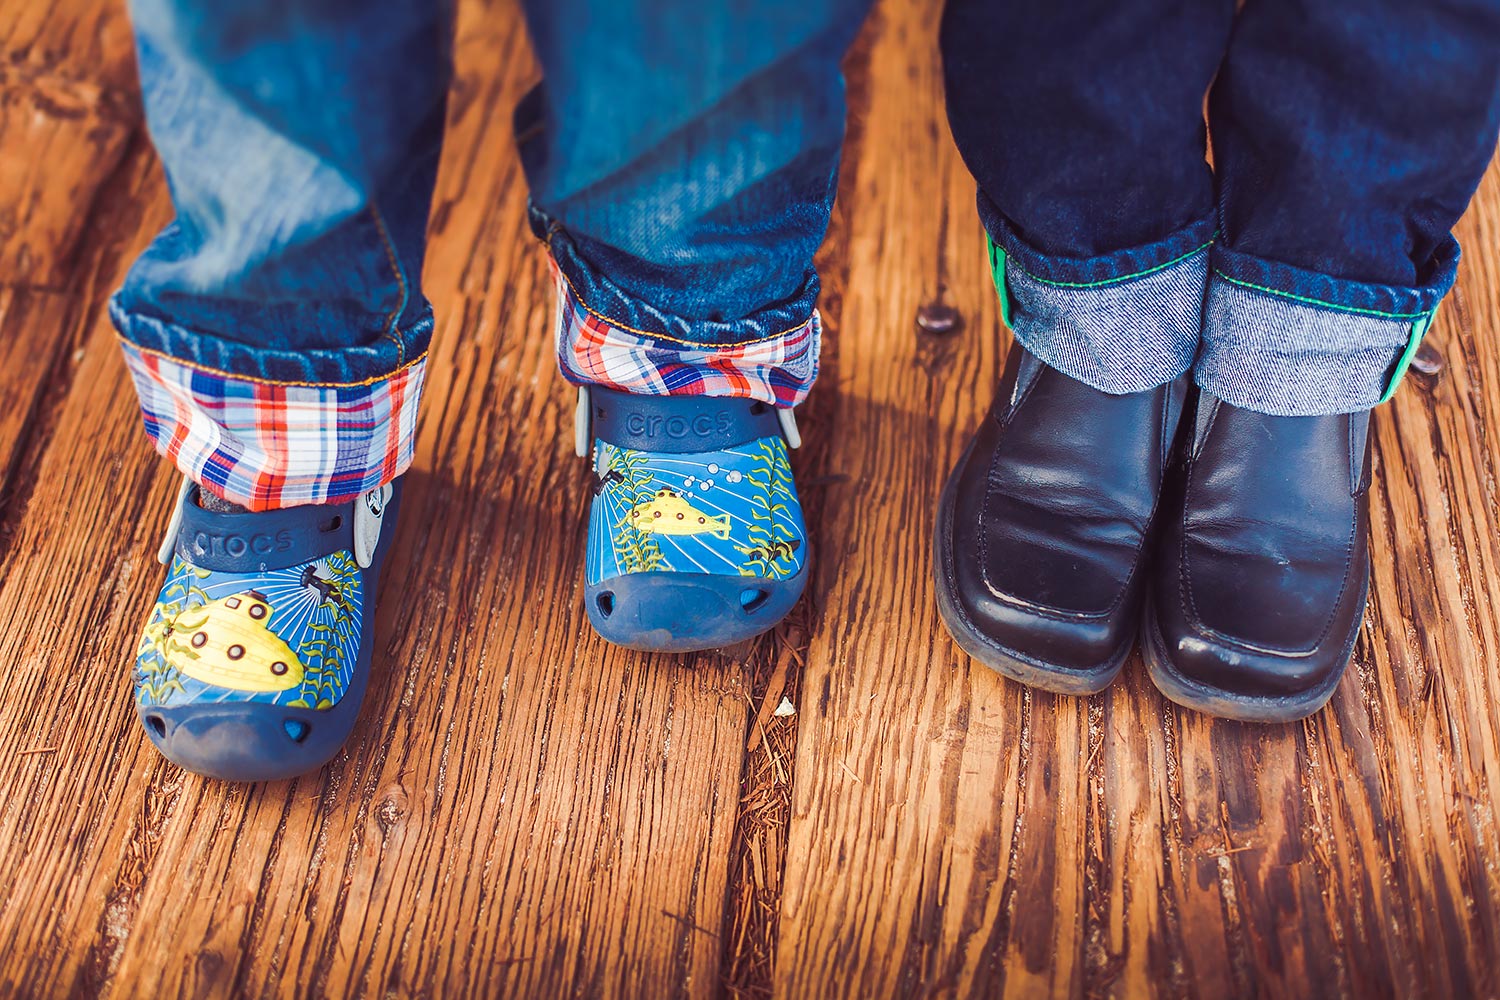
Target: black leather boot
x=1042, y=529
x=1263, y=563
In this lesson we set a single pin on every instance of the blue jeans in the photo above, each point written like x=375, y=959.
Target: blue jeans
x=1293, y=277
x=682, y=159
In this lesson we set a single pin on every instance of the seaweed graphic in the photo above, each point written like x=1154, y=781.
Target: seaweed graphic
x=325, y=656
x=636, y=551
x=772, y=539
x=156, y=676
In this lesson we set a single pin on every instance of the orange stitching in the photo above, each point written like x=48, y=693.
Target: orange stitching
x=658, y=336
x=390, y=256
x=128, y=346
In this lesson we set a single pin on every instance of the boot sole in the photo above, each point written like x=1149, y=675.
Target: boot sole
x=1214, y=701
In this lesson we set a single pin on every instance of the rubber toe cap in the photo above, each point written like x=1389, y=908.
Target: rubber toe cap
x=682, y=612
x=245, y=742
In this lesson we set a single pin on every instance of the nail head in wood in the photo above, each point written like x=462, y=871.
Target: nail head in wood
x=1428, y=361
x=938, y=318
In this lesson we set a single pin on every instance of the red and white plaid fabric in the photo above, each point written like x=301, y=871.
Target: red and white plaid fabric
x=591, y=350
x=267, y=445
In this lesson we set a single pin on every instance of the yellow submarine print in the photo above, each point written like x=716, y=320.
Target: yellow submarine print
x=233, y=647
x=668, y=514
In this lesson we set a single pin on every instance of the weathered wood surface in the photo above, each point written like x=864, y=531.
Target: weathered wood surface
x=66, y=113
x=952, y=834
x=523, y=809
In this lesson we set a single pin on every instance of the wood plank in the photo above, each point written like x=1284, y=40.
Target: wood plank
x=43, y=331
x=901, y=830
x=67, y=113
x=67, y=118
x=953, y=834
x=521, y=810
x=525, y=810
x=31, y=324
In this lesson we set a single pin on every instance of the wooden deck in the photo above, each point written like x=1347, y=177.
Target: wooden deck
x=526, y=810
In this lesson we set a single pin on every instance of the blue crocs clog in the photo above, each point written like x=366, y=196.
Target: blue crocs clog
x=695, y=532
x=254, y=661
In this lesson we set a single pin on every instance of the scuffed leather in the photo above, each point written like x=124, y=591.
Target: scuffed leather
x=1053, y=504
x=1263, y=562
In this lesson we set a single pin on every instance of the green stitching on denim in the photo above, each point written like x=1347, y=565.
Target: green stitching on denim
x=1418, y=331
x=1110, y=281
x=997, y=268
x=1319, y=302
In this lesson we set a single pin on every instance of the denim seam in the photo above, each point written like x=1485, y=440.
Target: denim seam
x=235, y=376
x=1109, y=281
x=578, y=297
x=1319, y=302
x=400, y=307
x=1415, y=336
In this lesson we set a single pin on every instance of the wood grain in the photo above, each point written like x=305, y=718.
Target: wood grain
x=526, y=811
x=25, y=315
x=68, y=122
x=67, y=112
x=953, y=834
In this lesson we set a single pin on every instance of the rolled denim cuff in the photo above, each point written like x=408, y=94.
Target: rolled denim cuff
x=604, y=337
x=1122, y=322
x=594, y=350
x=267, y=443
x=1281, y=340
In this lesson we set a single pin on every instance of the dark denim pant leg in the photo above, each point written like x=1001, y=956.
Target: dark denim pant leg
x=1349, y=136
x=276, y=329
x=1082, y=122
x=682, y=157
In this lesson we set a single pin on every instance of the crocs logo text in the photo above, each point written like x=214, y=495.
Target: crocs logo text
x=702, y=425
x=236, y=546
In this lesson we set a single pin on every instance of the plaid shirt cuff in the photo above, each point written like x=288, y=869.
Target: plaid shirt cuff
x=592, y=350
x=267, y=445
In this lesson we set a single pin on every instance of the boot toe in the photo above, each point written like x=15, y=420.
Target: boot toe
x=1043, y=647
x=1234, y=680
x=1042, y=528
x=1263, y=568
